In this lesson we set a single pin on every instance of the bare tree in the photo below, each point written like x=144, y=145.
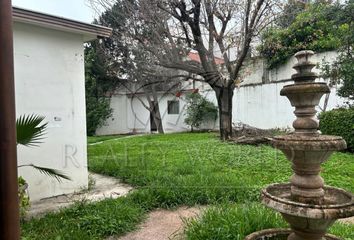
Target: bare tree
x=213, y=28
x=133, y=67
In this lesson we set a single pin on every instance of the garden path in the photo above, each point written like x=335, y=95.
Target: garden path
x=102, y=187
x=162, y=225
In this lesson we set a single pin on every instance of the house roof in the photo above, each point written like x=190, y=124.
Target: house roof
x=194, y=56
x=89, y=31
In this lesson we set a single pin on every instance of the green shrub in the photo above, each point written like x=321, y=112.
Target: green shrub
x=97, y=86
x=339, y=122
x=199, y=110
x=318, y=28
x=23, y=197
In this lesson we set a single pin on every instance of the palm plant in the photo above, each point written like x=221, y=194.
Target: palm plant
x=30, y=133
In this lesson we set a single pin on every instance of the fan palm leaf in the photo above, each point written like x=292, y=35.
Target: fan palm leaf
x=30, y=129
x=58, y=175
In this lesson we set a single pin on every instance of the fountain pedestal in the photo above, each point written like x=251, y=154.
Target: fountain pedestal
x=306, y=203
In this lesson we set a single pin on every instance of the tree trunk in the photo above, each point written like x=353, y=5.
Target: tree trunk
x=157, y=117
x=154, y=108
x=224, y=96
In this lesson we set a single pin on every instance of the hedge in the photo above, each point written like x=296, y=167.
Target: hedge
x=339, y=122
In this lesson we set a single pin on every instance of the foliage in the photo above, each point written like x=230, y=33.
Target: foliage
x=318, y=28
x=50, y=172
x=172, y=170
x=341, y=71
x=339, y=122
x=98, y=85
x=290, y=11
x=235, y=222
x=199, y=110
x=30, y=131
x=23, y=197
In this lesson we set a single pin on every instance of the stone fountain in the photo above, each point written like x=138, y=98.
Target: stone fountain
x=306, y=203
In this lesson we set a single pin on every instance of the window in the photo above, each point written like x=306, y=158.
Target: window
x=173, y=107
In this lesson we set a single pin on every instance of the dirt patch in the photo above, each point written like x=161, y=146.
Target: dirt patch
x=162, y=225
x=102, y=187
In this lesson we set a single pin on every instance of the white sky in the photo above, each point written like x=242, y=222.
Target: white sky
x=74, y=9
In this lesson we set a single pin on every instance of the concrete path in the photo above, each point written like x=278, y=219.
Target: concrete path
x=162, y=225
x=116, y=139
x=103, y=187
x=347, y=220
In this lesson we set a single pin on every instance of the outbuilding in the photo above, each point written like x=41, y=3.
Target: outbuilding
x=50, y=81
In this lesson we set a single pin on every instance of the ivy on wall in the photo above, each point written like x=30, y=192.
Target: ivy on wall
x=318, y=27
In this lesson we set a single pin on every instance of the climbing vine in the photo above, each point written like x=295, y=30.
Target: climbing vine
x=318, y=27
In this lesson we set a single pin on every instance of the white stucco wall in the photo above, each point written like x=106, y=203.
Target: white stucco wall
x=130, y=116
x=262, y=106
x=49, y=79
x=255, y=103
x=118, y=122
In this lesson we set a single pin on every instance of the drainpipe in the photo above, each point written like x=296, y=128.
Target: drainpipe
x=9, y=206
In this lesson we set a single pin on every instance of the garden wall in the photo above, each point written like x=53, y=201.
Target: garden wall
x=257, y=101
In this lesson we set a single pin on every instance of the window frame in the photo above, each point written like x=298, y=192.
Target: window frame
x=170, y=108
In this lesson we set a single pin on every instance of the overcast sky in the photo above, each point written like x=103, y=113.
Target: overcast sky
x=73, y=9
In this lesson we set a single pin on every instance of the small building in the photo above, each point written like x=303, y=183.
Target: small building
x=129, y=116
x=50, y=81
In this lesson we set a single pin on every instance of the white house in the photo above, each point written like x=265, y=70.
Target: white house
x=50, y=81
x=256, y=101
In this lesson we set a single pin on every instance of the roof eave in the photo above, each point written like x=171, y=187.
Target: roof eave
x=89, y=31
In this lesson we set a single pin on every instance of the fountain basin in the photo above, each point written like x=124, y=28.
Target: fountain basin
x=294, y=142
x=279, y=234
x=337, y=203
x=304, y=88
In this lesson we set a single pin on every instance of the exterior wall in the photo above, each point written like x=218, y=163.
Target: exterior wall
x=118, y=122
x=262, y=106
x=256, y=101
x=130, y=116
x=49, y=79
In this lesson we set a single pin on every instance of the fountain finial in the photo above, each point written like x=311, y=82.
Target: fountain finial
x=304, y=96
x=304, y=67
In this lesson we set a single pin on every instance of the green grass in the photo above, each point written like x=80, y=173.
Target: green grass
x=236, y=221
x=199, y=169
x=96, y=139
x=86, y=221
x=180, y=169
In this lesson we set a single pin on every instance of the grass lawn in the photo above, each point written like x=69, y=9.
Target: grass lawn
x=185, y=169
